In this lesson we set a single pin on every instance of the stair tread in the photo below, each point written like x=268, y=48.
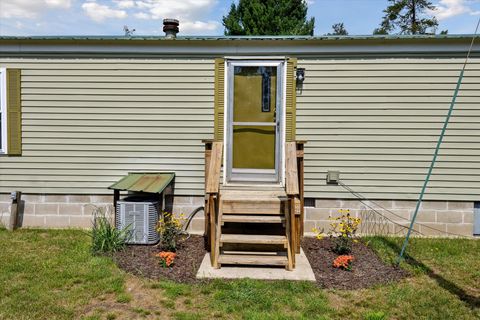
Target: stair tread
x=253, y=218
x=255, y=259
x=257, y=195
x=253, y=238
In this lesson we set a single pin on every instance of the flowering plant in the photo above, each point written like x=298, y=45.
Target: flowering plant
x=343, y=262
x=166, y=258
x=170, y=228
x=342, y=230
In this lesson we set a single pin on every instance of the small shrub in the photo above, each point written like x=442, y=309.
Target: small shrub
x=342, y=231
x=343, y=262
x=167, y=258
x=170, y=229
x=105, y=237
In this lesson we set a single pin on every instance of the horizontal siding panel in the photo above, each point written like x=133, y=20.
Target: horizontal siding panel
x=119, y=97
x=386, y=98
x=114, y=129
x=133, y=166
x=197, y=117
x=31, y=85
x=420, y=78
x=93, y=72
x=88, y=122
x=69, y=111
x=53, y=92
x=117, y=104
x=372, y=112
x=120, y=79
x=377, y=121
x=178, y=124
x=118, y=136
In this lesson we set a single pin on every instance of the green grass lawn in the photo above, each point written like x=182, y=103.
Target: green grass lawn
x=52, y=275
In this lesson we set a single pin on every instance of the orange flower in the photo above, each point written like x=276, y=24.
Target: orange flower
x=166, y=258
x=343, y=262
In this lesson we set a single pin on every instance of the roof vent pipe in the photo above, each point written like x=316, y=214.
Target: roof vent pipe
x=170, y=27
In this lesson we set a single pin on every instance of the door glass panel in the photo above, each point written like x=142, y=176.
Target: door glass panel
x=254, y=100
x=253, y=147
x=254, y=94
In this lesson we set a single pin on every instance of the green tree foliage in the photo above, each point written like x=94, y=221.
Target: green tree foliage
x=408, y=17
x=338, y=30
x=268, y=17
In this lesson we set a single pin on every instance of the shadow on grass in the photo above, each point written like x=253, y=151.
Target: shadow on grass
x=472, y=301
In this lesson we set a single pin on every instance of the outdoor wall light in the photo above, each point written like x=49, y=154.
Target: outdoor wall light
x=300, y=75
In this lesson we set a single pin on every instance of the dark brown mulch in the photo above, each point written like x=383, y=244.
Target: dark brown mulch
x=140, y=260
x=368, y=269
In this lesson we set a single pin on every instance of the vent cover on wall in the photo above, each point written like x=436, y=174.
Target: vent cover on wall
x=142, y=217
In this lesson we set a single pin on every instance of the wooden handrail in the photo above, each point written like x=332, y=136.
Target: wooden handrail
x=291, y=173
x=213, y=178
x=213, y=165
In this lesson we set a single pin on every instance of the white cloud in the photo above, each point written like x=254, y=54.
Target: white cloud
x=99, y=12
x=451, y=8
x=29, y=9
x=191, y=13
x=199, y=26
x=159, y=9
x=141, y=15
x=65, y=4
x=125, y=4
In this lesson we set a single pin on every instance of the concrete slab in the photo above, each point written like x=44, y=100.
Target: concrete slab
x=302, y=272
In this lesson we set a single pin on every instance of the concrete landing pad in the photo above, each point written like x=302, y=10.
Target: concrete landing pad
x=302, y=272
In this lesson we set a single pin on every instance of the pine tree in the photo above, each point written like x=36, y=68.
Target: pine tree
x=408, y=17
x=338, y=30
x=268, y=17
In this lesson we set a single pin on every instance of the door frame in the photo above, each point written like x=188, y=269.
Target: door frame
x=280, y=63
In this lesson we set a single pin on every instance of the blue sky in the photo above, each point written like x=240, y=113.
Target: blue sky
x=198, y=17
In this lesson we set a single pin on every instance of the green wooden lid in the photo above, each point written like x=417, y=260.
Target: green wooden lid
x=152, y=182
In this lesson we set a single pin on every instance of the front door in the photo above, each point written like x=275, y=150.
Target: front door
x=254, y=121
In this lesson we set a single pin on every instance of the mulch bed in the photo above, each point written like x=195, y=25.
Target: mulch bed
x=368, y=270
x=140, y=260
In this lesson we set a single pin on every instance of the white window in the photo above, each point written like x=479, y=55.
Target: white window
x=3, y=111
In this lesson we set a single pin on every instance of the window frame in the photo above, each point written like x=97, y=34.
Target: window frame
x=3, y=110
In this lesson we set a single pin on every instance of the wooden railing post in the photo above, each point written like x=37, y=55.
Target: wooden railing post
x=212, y=188
x=206, y=210
x=301, y=190
x=292, y=190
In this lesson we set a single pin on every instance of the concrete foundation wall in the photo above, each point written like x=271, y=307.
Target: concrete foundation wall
x=76, y=211
x=436, y=218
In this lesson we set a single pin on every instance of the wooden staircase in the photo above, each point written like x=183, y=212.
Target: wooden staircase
x=254, y=225
x=252, y=228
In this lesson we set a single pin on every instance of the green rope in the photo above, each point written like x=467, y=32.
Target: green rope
x=437, y=149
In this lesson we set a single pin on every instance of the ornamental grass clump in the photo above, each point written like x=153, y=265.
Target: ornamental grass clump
x=342, y=232
x=105, y=237
x=170, y=229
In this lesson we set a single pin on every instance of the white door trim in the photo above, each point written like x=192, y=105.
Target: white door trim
x=228, y=121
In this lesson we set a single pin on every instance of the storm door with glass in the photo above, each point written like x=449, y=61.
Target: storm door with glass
x=254, y=121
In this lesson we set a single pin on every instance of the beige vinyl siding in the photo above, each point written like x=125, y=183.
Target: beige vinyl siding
x=88, y=122
x=378, y=121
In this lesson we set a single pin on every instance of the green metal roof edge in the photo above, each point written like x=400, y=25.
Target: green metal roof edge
x=130, y=175
x=237, y=38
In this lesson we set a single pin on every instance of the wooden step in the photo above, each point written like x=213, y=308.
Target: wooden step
x=253, y=239
x=240, y=218
x=253, y=259
x=252, y=206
